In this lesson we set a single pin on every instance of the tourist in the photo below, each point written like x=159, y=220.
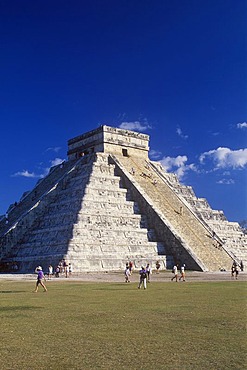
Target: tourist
x=236, y=272
x=157, y=267
x=127, y=273
x=50, y=272
x=57, y=271
x=130, y=266
x=143, y=278
x=182, y=272
x=40, y=279
x=64, y=265
x=175, y=272
x=66, y=270
x=154, y=182
x=132, y=171
x=149, y=271
x=233, y=269
x=241, y=266
x=60, y=265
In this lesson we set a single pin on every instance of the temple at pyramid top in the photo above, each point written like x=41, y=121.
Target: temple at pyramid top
x=106, y=139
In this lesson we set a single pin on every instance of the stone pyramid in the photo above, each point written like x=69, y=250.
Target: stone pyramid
x=109, y=204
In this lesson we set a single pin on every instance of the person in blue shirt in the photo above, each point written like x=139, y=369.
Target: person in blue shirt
x=40, y=279
x=143, y=278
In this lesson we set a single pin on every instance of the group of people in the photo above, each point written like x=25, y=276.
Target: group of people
x=128, y=271
x=63, y=268
x=144, y=273
x=175, y=272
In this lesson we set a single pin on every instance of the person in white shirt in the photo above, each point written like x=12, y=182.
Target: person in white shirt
x=127, y=273
x=182, y=272
x=175, y=272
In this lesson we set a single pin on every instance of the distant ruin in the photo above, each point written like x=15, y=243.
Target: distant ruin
x=109, y=204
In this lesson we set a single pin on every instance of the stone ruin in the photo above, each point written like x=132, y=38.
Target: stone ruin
x=109, y=204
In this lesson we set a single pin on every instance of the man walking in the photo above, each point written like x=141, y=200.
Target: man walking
x=175, y=272
x=143, y=278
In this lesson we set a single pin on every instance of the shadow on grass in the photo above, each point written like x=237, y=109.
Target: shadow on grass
x=19, y=308
x=11, y=291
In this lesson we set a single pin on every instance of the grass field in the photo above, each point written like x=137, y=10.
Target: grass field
x=75, y=325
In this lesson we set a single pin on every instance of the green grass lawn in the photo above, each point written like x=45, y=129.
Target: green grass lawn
x=78, y=325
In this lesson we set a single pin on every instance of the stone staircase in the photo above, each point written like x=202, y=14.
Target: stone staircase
x=193, y=236
x=82, y=214
x=230, y=234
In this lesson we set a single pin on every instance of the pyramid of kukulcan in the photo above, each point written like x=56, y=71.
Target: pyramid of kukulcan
x=108, y=204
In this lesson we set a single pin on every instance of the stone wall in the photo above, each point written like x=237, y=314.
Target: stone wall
x=109, y=140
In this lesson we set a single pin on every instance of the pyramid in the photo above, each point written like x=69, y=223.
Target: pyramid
x=109, y=204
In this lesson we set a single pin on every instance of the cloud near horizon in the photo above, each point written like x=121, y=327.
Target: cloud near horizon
x=225, y=158
x=26, y=173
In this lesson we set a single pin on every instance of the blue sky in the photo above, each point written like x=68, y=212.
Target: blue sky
x=175, y=70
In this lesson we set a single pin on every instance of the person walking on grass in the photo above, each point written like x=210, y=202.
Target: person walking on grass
x=236, y=271
x=127, y=273
x=149, y=272
x=50, y=272
x=182, y=272
x=157, y=267
x=143, y=278
x=175, y=272
x=40, y=279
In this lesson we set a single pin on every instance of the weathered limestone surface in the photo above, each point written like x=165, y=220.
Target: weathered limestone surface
x=109, y=204
x=228, y=233
x=86, y=218
x=187, y=237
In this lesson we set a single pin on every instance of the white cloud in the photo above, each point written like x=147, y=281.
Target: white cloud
x=242, y=125
x=53, y=162
x=226, y=181
x=226, y=173
x=26, y=173
x=177, y=165
x=180, y=133
x=135, y=126
x=225, y=157
x=170, y=162
x=56, y=161
x=53, y=149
